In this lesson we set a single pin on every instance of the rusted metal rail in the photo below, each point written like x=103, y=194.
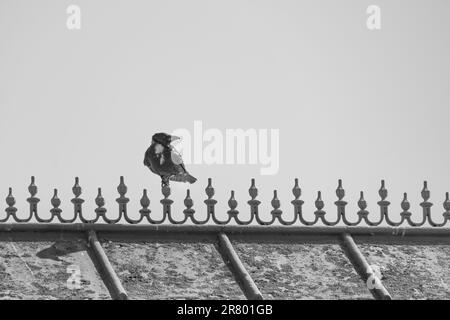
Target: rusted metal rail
x=235, y=230
x=223, y=232
x=243, y=278
x=112, y=280
x=362, y=267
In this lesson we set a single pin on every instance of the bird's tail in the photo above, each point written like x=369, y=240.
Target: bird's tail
x=190, y=178
x=186, y=177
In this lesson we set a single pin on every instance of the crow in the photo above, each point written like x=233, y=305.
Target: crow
x=162, y=159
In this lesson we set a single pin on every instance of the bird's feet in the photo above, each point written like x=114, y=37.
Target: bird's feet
x=164, y=183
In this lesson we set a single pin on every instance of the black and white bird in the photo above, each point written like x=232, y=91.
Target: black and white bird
x=162, y=159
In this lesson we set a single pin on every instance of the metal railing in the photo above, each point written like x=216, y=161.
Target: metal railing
x=320, y=215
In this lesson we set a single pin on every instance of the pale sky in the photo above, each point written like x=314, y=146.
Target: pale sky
x=349, y=103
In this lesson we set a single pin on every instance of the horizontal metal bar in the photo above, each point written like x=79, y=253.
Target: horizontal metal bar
x=229, y=229
x=242, y=276
x=131, y=236
x=113, y=281
x=361, y=266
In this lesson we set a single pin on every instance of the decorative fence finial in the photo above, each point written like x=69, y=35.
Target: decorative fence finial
x=209, y=189
x=32, y=187
x=276, y=212
x=426, y=205
x=405, y=205
x=10, y=201
x=384, y=204
x=340, y=204
x=100, y=202
x=232, y=203
x=145, y=203
x=10, y=210
x=362, y=205
x=446, y=205
x=76, y=189
x=188, y=203
x=33, y=201
x=77, y=202
x=253, y=191
x=383, y=192
x=425, y=192
x=123, y=201
x=210, y=202
x=298, y=203
x=296, y=191
x=319, y=204
x=340, y=192
x=55, y=202
x=253, y=203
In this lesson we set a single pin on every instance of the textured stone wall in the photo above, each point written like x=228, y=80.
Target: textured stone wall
x=172, y=270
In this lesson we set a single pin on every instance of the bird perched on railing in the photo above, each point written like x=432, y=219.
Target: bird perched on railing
x=162, y=159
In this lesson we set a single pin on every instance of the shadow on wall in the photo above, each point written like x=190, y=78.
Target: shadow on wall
x=60, y=248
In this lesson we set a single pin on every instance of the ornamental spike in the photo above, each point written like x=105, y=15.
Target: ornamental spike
x=340, y=192
x=253, y=191
x=209, y=189
x=405, y=203
x=296, y=191
x=362, y=204
x=122, y=188
x=10, y=200
x=32, y=187
x=383, y=192
x=275, y=201
x=55, y=201
x=319, y=202
x=425, y=192
x=76, y=189
x=446, y=203
x=145, y=201
x=188, y=200
x=99, y=200
x=232, y=203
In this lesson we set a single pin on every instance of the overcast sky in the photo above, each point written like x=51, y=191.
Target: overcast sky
x=349, y=102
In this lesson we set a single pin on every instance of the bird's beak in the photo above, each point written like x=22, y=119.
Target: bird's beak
x=173, y=138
